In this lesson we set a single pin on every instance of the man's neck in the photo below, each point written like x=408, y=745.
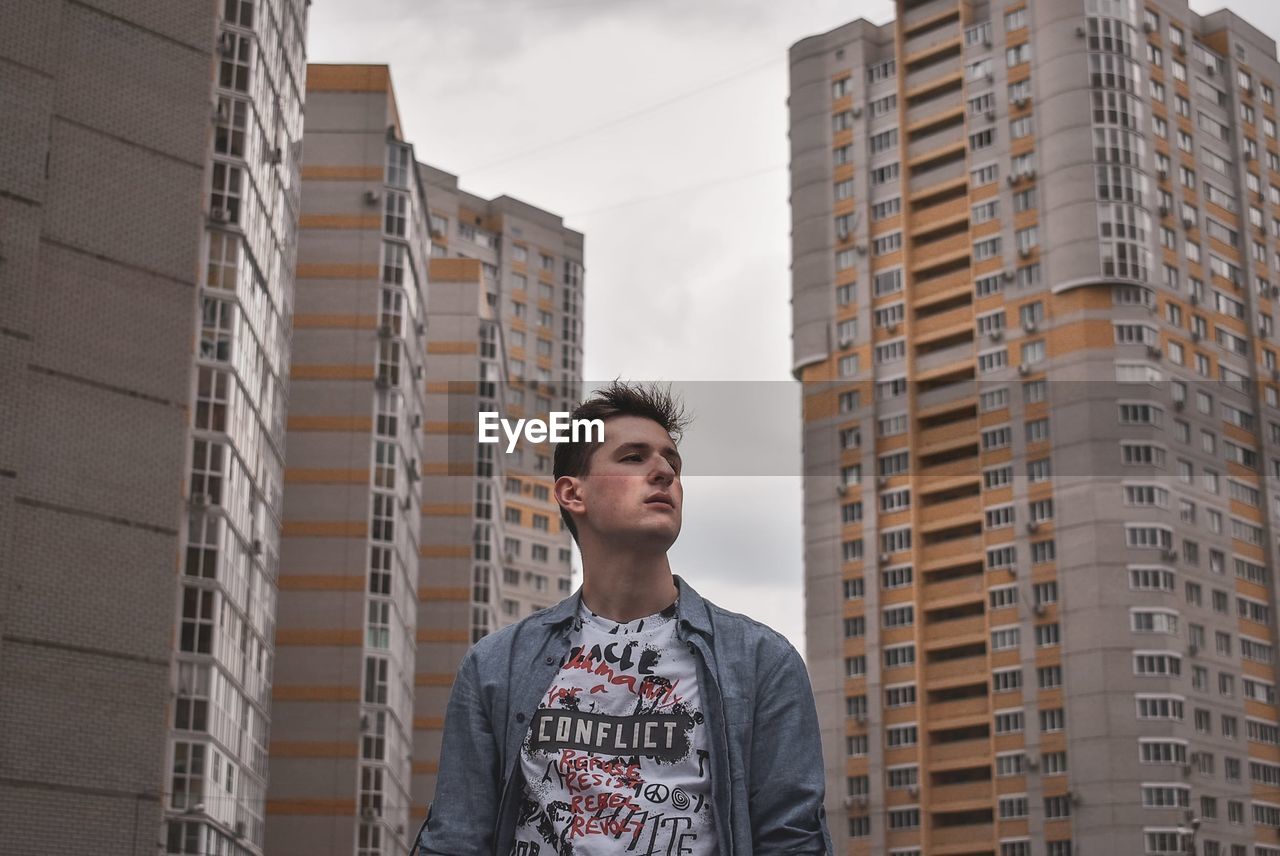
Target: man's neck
x=625, y=587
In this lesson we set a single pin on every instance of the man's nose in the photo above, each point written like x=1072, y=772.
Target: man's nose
x=663, y=471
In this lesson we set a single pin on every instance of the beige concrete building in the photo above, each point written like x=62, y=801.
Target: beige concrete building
x=1034, y=285
x=149, y=195
x=405, y=539
x=344, y=695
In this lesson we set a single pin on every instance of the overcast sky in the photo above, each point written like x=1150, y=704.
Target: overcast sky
x=658, y=129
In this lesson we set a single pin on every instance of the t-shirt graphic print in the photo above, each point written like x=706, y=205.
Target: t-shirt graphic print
x=616, y=759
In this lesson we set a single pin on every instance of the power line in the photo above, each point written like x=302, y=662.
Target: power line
x=773, y=59
x=682, y=190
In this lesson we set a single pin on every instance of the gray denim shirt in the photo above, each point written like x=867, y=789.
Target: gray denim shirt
x=767, y=778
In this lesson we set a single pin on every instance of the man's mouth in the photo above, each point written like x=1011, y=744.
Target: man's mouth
x=660, y=499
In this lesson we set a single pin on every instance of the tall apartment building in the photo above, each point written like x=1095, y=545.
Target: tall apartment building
x=344, y=695
x=149, y=191
x=405, y=539
x=504, y=334
x=1034, y=283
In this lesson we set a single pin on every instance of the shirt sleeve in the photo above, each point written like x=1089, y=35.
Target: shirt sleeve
x=461, y=818
x=787, y=779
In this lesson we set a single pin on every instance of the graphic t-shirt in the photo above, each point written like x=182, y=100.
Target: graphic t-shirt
x=616, y=759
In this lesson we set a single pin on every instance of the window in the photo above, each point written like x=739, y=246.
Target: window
x=1017, y=55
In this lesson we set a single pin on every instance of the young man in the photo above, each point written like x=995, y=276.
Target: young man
x=635, y=717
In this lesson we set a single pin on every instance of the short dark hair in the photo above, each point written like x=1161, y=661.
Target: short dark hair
x=619, y=398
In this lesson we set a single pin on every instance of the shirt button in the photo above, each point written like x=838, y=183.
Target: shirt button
x=519, y=717
x=550, y=660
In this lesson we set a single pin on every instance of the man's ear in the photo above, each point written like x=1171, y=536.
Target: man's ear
x=568, y=492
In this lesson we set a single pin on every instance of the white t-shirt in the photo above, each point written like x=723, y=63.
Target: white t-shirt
x=616, y=759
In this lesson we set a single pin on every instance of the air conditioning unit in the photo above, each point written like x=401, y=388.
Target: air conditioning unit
x=1275, y=375
x=417, y=420
x=406, y=503
x=1210, y=70
x=845, y=341
x=1179, y=404
x=227, y=44
x=420, y=328
x=1154, y=352
x=996, y=335
x=914, y=790
x=1024, y=252
x=415, y=471
x=256, y=547
x=842, y=233
x=1080, y=32
x=1162, y=174
x=1195, y=335
x=883, y=481
x=1169, y=555
x=990, y=75
x=1033, y=526
x=1024, y=369
x=219, y=215
x=382, y=381
x=1181, y=49
x=1164, y=210
x=385, y=331
x=991, y=115
x=1188, y=223
x=221, y=112
x=1029, y=326
x=369, y=813
x=861, y=249
x=986, y=42
x=1148, y=27
x=1076, y=797
x=1007, y=275
x=1012, y=179
x=891, y=327
x=1186, y=769
x=1039, y=609
x=1019, y=102
x=239, y=829
x=860, y=718
x=842, y=489
x=277, y=156
x=1194, y=299
x=372, y=197
x=857, y=111
x=417, y=372
x=200, y=500
x=1193, y=650
x=884, y=558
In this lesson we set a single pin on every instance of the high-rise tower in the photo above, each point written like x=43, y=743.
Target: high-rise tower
x=149, y=191
x=1034, y=248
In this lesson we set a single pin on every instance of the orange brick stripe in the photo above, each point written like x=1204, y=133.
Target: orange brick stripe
x=448, y=427
x=341, y=637
x=447, y=468
x=317, y=476
x=312, y=749
x=315, y=692
x=348, y=78
x=312, y=807
x=325, y=529
x=444, y=593
x=340, y=221
x=315, y=371
x=426, y=767
x=428, y=634
x=335, y=322
x=433, y=679
x=454, y=270
x=428, y=723
x=445, y=509
x=452, y=347
x=444, y=551
x=344, y=424
x=358, y=172
x=451, y=387
x=320, y=582
x=335, y=270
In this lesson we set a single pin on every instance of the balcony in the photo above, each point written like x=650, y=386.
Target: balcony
x=948, y=170
x=960, y=839
x=931, y=38
x=924, y=11
x=961, y=353
x=957, y=281
x=966, y=388
x=944, y=138
x=960, y=669
x=940, y=712
x=947, y=551
x=956, y=630
x=964, y=429
x=976, y=794
x=948, y=93
x=951, y=209
x=960, y=750
x=958, y=589
x=943, y=324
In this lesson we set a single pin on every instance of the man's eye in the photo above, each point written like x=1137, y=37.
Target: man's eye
x=634, y=456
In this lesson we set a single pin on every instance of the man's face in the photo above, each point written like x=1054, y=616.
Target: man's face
x=632, y=493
